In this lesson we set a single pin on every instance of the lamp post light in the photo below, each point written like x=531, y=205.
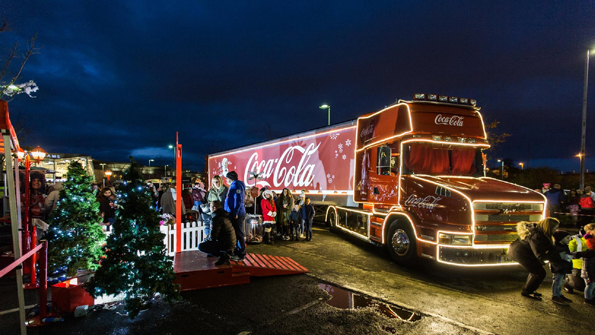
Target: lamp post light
x=501, y=169
x=166, y=172
x=108, y=174
x=584, y=124
x=325, y=106
x=151, y=160
x=522, y=165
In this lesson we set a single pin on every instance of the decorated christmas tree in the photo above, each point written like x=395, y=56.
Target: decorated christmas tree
x=75, y=237
x=136, y=262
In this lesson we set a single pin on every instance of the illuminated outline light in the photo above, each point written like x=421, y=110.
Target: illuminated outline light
x=363, y=237
x=389, y=138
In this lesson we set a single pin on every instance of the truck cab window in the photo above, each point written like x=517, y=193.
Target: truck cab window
x=384, y=160
x=442, y=159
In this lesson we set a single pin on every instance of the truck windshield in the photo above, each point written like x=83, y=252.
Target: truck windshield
x=442, y=159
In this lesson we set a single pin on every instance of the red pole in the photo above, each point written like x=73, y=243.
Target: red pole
x=178, y=195
x=30, y=235
x=25, y=223
x=43, y=288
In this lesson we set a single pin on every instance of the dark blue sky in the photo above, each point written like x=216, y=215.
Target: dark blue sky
x=121, y=77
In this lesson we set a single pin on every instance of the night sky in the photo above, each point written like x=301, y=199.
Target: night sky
x=121, y=77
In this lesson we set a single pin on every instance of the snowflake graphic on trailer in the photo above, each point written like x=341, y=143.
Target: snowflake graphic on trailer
x=334, y=136
x=340, y=146
x=344, y=157
x=348, y=142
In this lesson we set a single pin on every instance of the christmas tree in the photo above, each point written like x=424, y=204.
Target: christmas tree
x=136, y=263
x=75, y=237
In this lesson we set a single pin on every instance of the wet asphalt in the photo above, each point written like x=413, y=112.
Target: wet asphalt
x=448, y=300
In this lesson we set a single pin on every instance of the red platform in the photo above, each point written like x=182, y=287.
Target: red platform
x=195, y=271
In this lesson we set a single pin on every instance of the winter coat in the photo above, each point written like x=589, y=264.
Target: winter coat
x=259, y=205
x=107, y=211
x=168, y=203
x=198, y=194
x=586, y=202
x=309, y=213
x=554, y=196
x=222, y=230
x=296, y=216
x=217, y=194
x=534, y=246
x=285, y=204
x=234, y=202
x=588, y=270
x=52, y=199
x=577, y=244
x=268, y=210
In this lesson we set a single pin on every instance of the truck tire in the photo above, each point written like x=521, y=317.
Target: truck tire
x=401, y=243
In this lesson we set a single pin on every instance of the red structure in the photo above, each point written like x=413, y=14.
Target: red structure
x=195, y=271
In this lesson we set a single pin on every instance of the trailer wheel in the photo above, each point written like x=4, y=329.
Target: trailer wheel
x=401, y=243
x=332, y=221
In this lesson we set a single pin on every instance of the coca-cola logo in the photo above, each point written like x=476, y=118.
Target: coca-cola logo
x=300, y=175
x=454, y=120
x=429, y=201
x=367, y=131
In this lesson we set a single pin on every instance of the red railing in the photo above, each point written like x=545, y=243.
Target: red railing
x=43, y=286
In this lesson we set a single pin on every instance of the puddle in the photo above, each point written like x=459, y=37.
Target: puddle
x=345, y=299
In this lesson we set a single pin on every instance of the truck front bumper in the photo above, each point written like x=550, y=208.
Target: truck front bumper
x=469, y=256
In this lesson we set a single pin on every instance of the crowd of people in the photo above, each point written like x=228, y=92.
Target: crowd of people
x=579, y=204
x=571, y=259
x=222, y=208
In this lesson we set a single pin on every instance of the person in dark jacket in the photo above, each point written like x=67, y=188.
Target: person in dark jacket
x=295, y=219
x=531, y=249
x=222, y=240
x=309, y=219
x=234, y=205
x=555, y=199
x=107, y=207
x=562, y=267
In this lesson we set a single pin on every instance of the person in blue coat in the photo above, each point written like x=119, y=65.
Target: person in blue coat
x=234, y=205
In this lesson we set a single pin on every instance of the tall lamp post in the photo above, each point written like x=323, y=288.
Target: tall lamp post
x=325, y=106
x=522, y=165
x=150, y=171
x=584, y=125
x=501, y=169
x=30, y=232
x=151, y=160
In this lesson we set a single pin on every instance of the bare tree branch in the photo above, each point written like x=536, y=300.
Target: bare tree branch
x=31, y=50
x=10, y=58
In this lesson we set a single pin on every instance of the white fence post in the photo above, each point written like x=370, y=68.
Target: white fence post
x=192, y=235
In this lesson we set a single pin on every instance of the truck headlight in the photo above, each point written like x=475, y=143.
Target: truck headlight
x=454, y=239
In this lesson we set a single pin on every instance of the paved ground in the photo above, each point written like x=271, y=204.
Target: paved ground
x=450, y=300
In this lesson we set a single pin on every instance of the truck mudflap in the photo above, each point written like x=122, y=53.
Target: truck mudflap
x=469, y=256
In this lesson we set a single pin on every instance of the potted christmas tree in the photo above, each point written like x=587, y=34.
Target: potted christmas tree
x=136, y=263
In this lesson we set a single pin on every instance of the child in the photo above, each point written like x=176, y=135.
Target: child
x=573, y=209
x=560, y=267
x=295, y=219
x=588, y=272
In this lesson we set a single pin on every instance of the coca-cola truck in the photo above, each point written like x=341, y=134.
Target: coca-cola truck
x=410, y=177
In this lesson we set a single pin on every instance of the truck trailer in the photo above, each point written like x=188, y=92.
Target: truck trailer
x=410, y=177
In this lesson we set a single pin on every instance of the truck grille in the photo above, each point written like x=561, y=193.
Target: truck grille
x=496, y=222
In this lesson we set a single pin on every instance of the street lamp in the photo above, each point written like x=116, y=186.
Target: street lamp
x=325, y=106
x=584, y=126
x=502, y=169
x=108, y=174
x=522, y=165
x=151, y=160
x=166, y=171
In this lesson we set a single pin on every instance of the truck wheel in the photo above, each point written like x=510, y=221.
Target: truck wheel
x=401, y=243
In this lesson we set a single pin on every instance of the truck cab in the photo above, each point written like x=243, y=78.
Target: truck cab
x=420, y=179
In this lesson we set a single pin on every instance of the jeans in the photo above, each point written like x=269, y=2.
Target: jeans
x=111, y=223
x=308, y=229
x=213, y=248
x=302, y=227
x=589, y=287
x=557, y=284
x=295, y=230
x=239, y=227
x=206, y=218
x=197, y=205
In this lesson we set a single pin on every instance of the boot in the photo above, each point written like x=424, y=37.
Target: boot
x=272, y=239
x=223, y=260
x=267, y=238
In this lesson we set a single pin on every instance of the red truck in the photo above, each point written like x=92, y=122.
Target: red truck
x=410, y=177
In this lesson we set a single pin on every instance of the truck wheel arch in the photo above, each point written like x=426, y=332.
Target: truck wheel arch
x=400, y=239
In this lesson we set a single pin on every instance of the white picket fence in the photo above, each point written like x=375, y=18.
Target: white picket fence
x=192, y=234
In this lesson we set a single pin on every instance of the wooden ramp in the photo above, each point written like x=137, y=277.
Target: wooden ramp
x=195, y=271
